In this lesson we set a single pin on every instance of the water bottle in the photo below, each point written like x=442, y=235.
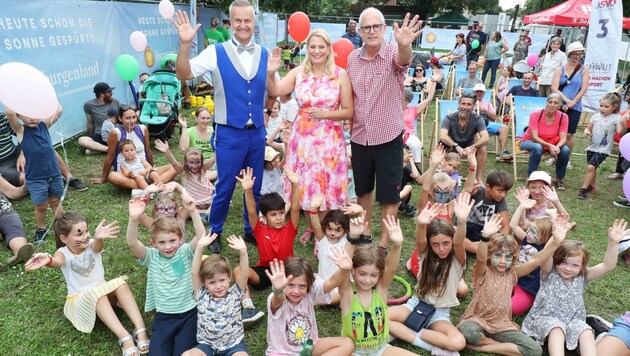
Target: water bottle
x=307, y=350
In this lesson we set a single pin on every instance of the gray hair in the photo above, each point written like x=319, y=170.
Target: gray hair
x=556, y=39
x=408, y=95
x=472, y=62
x=240, y=3
x=554, y=96
x=370, y=9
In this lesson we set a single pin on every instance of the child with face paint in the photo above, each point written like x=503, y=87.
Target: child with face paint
x=196, y=178
x=487, y=322
x=532, y=240
x=558, y=315
x=437, y=188
x=443, y=264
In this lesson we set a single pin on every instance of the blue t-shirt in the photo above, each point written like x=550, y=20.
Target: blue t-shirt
x=41, y=160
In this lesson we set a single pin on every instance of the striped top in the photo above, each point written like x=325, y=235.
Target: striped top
x=7, y=147
x=169, y=281
x=199, y=188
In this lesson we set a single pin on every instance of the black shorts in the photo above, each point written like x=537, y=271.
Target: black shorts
x=8, y=169
x=97, y=138
x=11, y=226
x=595, y=158
x=383, y=162
x=574, y=120
x=264, y=281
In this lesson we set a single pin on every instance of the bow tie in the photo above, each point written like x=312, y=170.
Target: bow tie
x=249, y=48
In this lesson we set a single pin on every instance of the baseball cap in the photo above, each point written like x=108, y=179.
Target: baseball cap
x=540, y=175
x=226, y=21
x=479, y=87
x=112, y=112
x=270, y=154
x=434, y=60
x=102, y=87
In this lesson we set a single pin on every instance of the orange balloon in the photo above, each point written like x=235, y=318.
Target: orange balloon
x=299, y=26
x=342, y=48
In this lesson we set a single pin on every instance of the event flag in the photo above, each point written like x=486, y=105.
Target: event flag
x=604, y=36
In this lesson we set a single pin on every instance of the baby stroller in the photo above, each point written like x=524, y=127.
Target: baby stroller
x=160, y=106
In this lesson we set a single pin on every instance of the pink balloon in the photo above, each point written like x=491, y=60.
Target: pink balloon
x=167, y=10
x=138, y=41
x=624, y=146
x=626, y=186
x=27, y=91
x=532, y=59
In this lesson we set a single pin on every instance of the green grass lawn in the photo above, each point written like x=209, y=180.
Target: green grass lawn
x=31, y=317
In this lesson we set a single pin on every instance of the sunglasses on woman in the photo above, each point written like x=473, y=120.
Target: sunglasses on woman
x=125, y=107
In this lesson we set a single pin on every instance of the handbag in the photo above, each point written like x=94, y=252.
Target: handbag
x=420, y=316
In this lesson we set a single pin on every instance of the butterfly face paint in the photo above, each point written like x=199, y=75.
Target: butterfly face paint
x=532, y=234
x=441, y=196
x=498, y=256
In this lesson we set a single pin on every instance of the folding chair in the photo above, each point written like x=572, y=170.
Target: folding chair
x=204, y=86
x=521, y=109
x=456, y=78
x=442, y=108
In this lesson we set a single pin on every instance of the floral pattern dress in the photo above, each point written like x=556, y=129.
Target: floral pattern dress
x=558, y=304
x=317, y=148
x=521, y=48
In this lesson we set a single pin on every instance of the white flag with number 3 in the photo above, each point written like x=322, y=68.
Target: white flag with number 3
x=604, y=37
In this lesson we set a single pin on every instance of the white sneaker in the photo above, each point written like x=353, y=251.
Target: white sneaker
x=615, y=176
x=569, y=166
x=551, y=161
x=89, y=152
x=436, y=351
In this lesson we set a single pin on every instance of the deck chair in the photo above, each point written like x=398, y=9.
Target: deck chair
x=456, y=78
x=204, y=86
x=442, y=108
x=519, y=119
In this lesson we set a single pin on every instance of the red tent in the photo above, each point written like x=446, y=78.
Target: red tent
x=574, y=13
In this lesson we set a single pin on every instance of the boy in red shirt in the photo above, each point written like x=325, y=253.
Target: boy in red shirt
x=274, y=235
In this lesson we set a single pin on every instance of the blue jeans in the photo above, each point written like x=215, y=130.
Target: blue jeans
x=536, y=152
x=490, y=64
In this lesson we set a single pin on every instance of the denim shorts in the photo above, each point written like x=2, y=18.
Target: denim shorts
x=440, y=313
x=43, y=189
x=620, y=330
x=208, y=350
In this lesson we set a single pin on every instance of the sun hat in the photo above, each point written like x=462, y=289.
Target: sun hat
x=540, y=175
x=270, y=154
x=575, y=46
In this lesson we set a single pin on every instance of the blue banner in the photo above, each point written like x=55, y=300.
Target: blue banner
x=444, y=39
x=523, y=107
x=75, y=44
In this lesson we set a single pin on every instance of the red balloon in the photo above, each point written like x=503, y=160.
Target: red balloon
x=342, y=48
x=299, y=26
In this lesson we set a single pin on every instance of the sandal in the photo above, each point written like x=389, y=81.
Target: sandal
x=560, y=185
x=130, y=351
x=143, y=345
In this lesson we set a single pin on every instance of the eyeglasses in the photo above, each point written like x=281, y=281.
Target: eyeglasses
x=125, y=107
x=171, y=208
x=376, y=28
x=419, y=69
x=579, y=54
x=469, y=95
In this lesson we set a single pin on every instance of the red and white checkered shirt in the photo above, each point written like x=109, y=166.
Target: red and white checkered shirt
x=377, y=86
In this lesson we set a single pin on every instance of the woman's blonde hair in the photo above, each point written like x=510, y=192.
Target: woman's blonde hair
x=544, y=226
x=307, y=66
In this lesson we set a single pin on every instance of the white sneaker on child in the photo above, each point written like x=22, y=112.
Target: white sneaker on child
x=436, y=351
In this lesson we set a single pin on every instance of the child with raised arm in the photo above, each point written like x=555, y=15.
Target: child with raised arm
x=547, y=204
x=333, y=234
x=487, y=322
x=558, y=315
x=219, y=325
x=89, y=295
x=443, y=260
x=136, y=168
x=43, y=175
x=274, y=236
x=169, y=278
x=532, y=239
x=364, y=301
x=295, y=291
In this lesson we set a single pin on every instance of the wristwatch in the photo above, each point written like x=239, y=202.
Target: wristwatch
x=455, y=145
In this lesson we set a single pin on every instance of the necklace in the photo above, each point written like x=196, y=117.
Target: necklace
x=462, y=127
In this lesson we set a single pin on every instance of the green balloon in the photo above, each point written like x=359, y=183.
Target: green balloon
x=127, y=67
x=474, y=44
x=170, y=56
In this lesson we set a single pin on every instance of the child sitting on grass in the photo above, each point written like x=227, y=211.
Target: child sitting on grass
x=274, y=236
x=43, y=175
x=169, y=281
x=136, y=168
x=89, y=295
x=219, y=325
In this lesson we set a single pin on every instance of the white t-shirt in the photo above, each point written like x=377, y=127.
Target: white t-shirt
x=292, y=325
x=82, y=272
x=326, y=266
x=604, y=128
x=289, y=110
x=271, y=181
x=107, y=127
x=136, y=141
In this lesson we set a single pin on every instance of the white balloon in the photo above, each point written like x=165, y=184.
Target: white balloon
x=167, y=10
x=27, y=91
x=138, y=41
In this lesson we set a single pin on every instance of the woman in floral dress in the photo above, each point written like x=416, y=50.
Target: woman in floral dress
x=317, y=146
